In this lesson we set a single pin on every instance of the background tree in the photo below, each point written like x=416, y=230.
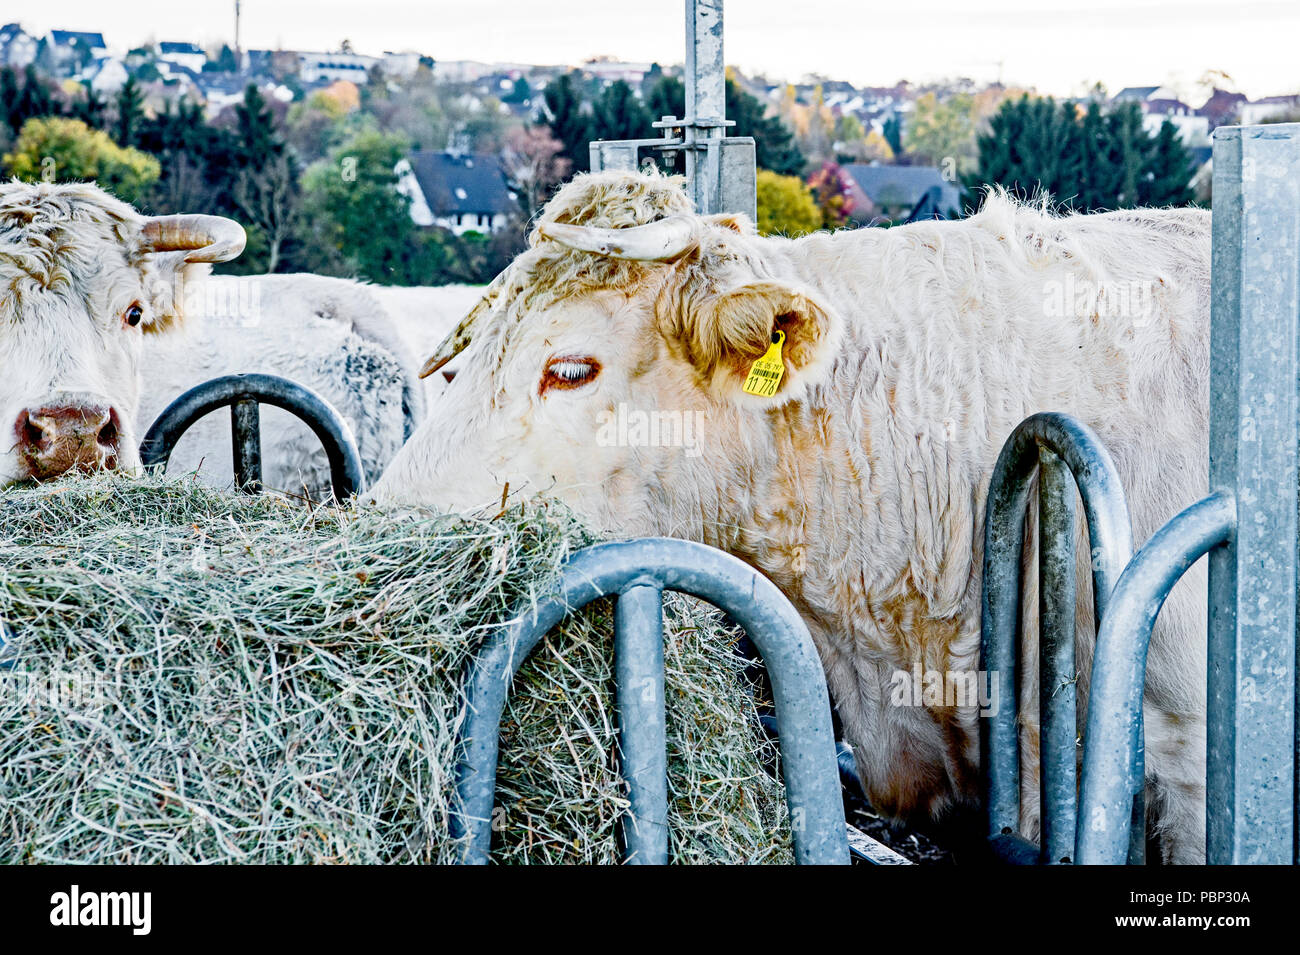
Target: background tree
x=67, y=150
x=786, y=205
x=943, y=130
x=534, y=164
x=130, y=111
x=774, y=143
x=266, y=197
x=619, y=114
x=355, y=220
x=1090, y=161
x=569, y=121
x=830, y=188
x=1167, y=171
x=892, y=130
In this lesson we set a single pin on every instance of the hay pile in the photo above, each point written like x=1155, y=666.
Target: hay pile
x=204, y=677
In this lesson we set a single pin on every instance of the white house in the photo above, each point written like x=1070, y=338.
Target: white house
x=328, y=67
x=460, y=192
x=187, y=55
x=17, y=47
x=112, y=76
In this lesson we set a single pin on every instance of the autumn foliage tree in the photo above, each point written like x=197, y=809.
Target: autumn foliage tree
x=786, y=205
x=66, y=150
x=830, y=188
x=534, y=163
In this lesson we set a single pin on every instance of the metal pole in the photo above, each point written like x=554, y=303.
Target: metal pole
x=1056, y=689
x=642, y=730
x=1255, y=311
x=1113, y=764
x=246, y=444
x=706, y=102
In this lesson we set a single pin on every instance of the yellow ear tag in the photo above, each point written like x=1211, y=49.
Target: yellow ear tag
x=765, y=374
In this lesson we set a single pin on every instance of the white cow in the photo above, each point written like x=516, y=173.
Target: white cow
x=352, y=343
x=830, y=409
x=83, y=279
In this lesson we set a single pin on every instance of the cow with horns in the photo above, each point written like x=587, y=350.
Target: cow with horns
x=830, y=409
x=83, y=278
x=85, y=282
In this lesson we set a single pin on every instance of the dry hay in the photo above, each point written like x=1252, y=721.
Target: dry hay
x=198, y=676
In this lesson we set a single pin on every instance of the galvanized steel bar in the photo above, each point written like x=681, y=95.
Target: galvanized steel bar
x=642, y=729
x=1057, y=679
x=798, y=683
x=1112, y=758
x=1255, y=364
x=1111, y=538
x=326, y=423
x=706, y=102
x=246, y=444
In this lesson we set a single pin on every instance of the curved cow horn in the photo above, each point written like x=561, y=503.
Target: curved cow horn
x=459, y=339
x=203, y=238
x=662, y=241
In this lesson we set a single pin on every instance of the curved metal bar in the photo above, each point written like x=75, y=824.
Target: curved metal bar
x=1111, y=536
x=774, y=626
x=1112, y=755
x=346, y=473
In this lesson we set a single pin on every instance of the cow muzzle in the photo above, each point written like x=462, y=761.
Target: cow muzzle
x=57, y=438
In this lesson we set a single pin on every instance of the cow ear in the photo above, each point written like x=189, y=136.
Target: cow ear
x=761, y=344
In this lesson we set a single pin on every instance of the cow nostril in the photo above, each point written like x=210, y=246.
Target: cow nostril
x=31, y=433
x=108, y=434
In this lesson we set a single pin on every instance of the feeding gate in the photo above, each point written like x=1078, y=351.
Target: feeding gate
x=1248, y=527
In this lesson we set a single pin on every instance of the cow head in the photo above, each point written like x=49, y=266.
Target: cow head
x=82, y=278
x=607, y=366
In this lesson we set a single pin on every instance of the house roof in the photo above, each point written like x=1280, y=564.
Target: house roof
x=457, y=183
x=94, y=41
x=1135, y=93
x=187, y=48
x=1221, y=104
x=902, y=185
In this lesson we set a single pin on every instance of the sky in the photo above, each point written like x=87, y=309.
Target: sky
x=1059, y=47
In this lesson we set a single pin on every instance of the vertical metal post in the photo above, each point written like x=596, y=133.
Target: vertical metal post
x=706, y=101
x=1056, y=689
x=1255, y=312
x=642, y=733
x=246, y=444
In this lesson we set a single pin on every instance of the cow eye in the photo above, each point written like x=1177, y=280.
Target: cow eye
x=133, y=314
x=568, y=372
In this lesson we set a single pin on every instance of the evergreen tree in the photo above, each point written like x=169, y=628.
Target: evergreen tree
x=1100, y=160
x=33, y=101
x=570, y=123
x=1128, y=146
x=90, y=109
x=259, y=141
x=130, y=111
x=1167, y=171
x=667, y=97
x=893, y=133
x=619, y=114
